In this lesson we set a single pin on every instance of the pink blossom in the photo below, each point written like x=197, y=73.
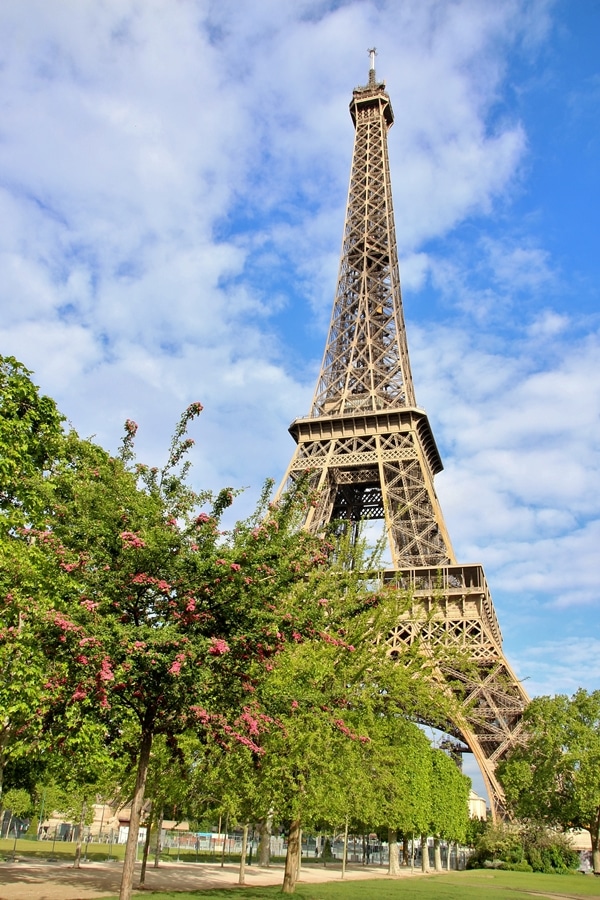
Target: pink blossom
x=218, y=647
x=90, y=605
x=139, y=645
x=295, y=704
x=200, y=714
x=106, y=673
x=175, y=667
x=235, y=567
x=87, y=640
x=130, y=539
x=194, y=409
x=79, y=693
x=250, y=722
x=172, y=521
x=297, y=636
x=323, y=601
x=220, y=562
x=131, y=427
x=62, y=622
x=142, y=578
x=202, y=519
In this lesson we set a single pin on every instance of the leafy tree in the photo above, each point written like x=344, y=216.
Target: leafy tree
x=400, y=767
x=18, y=802
x=30, y=443
x=449, y=801
x=129, y=613
x=555, y=777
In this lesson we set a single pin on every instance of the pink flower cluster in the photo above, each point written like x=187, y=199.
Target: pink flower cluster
x=150, y=581
x=88, y=604
x=106, y=673
x=341, y=726
x=175, y=667
x=336, y=642
x=130, y=539
x=65, y=624
x=218, y=647
x=200, y=714
x=242, y=739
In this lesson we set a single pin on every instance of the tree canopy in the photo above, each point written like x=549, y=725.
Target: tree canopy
x=555, y=776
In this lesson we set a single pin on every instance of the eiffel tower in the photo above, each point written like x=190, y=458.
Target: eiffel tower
x=370, y=453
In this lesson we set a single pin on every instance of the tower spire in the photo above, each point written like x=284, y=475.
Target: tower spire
x=369, y=453
x=372, y=54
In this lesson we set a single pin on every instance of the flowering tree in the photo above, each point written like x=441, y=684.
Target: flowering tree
x=159, y=623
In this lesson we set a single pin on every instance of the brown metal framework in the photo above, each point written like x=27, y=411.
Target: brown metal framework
x=370, y=453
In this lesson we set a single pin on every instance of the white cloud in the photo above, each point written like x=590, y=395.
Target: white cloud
x=561, y=667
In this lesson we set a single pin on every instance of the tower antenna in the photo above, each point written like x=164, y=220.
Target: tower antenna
x=372, y=54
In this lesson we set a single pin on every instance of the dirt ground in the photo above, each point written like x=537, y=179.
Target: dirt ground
x=60, y=881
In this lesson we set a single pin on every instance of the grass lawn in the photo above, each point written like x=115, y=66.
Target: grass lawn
x=63, y=850
x=472, y=885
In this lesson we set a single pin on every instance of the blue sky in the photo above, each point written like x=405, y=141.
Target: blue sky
x=173, y=179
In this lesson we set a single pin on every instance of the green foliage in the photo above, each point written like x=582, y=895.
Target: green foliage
x=449, y=798
x=30, y=433
x=524, y=848
x=18, y=802
x=555, y=777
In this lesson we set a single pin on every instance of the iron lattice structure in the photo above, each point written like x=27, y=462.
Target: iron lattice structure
x=370, y=453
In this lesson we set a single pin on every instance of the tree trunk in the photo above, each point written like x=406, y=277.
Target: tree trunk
x=77, y=860
x=224, y=841
x=424, y=854
x=405, y=850
x=134, y=820
x=345, y=853
x=437, y=855
x=394, y=853
x=242, y=875
x=146, y=845
x=291, y=858
x=595, y=836
x=159, y=823
x=264, y=841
